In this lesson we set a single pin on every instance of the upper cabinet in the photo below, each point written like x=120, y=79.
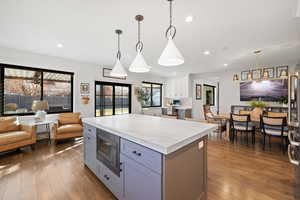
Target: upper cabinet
x=178, y=87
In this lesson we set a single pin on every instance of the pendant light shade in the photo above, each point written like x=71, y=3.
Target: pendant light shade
x=249, y=76
x=235, y=77
x=171, y=56
x=266, y=75
x=118, y=70
x=283, y=74
x=139, y=64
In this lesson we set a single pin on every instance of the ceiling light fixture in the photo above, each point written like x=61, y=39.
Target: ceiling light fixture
x=139, y=64
x=171, y=56
x=59, y=45
x=206, y=52
x=118, y=70
x=225, y=64
x=189, y=19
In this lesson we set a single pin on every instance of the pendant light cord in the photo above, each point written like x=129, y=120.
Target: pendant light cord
x=171, y=31
x=119, y=52
x=139, y=45
x=171, y=13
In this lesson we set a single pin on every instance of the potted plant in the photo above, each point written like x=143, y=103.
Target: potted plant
x=283, y=101
x=142, y=95
x=258, y=107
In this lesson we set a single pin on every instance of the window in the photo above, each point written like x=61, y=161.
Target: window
x=154, y=93
x=20, y=86
x=57, y=90
x=112, y=99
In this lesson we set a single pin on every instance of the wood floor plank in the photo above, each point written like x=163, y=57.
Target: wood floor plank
x=235, y=171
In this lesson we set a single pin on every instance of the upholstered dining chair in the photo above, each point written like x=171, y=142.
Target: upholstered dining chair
x=211, y=118
x=277, y=114
x=242, y=123
x=276, y=127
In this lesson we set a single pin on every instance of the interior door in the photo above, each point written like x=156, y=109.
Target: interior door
x=112, y=99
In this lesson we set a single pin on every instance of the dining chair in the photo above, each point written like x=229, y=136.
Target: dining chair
x=243, y=124
x=245, y=112
x=211, y=118
x=277, y=114
x=274, y=127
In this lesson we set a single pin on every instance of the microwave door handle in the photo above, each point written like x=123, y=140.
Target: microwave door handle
x=294, y=143
x=295, y=162
x=107, y=143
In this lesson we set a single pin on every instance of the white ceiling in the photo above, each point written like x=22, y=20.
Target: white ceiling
x=230, y=29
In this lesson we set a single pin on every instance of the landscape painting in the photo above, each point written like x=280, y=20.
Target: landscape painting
x=269, y=90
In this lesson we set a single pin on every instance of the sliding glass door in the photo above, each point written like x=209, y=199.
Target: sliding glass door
x=112, y=99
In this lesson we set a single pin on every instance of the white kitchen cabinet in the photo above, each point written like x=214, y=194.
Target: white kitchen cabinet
x=178, y=87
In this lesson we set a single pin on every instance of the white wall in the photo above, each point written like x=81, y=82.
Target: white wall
x=229, y=90
x=84, y=72
x=197, y=105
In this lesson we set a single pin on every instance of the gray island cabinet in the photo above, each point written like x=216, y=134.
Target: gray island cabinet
x=157, y=158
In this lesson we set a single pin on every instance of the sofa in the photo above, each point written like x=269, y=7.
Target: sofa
x=69, y=125
x=14, y=136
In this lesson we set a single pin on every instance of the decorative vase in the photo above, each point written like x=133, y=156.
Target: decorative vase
x=85, y=100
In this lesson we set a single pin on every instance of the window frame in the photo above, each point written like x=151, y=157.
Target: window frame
x=113, y=84
x=18, y=67
x=151, y=94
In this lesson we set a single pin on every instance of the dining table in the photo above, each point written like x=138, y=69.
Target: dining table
x=226, y=117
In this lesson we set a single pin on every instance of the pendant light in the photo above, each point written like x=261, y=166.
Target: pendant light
x=249, y=76
x=266, y=75
x=139, y=64
x=235, y=77
x=118, y=70
x=283, y=74
x=171, y=56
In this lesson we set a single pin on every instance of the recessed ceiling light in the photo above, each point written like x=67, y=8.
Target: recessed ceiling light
x=225, y=64
x=59, y=45
x=189, y=19
x=206, y=52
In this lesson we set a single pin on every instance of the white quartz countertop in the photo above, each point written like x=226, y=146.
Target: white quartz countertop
x=183, y=108
x=160, y=134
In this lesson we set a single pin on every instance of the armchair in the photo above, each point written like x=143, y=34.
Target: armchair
x=13, y=135
x=69, y=125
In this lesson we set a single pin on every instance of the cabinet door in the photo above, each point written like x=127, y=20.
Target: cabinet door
x=139, y=181
x=113, y=182
x=90, y=153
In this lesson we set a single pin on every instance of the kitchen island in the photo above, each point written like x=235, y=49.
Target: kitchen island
x=141, y=157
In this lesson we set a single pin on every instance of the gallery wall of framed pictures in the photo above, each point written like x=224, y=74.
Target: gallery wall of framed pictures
x=257, y=74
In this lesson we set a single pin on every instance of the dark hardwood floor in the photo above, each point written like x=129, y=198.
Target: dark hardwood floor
x=235, y=172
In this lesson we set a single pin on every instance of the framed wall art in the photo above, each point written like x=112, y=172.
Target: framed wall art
x=84, y=88
x=106, y=74
x=244, y=75
x=198, y=91
x=270, y=71
x=282, y=71
x=256, y=74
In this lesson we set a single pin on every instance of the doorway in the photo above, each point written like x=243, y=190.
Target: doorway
x=112, y=98
x=209, y=94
